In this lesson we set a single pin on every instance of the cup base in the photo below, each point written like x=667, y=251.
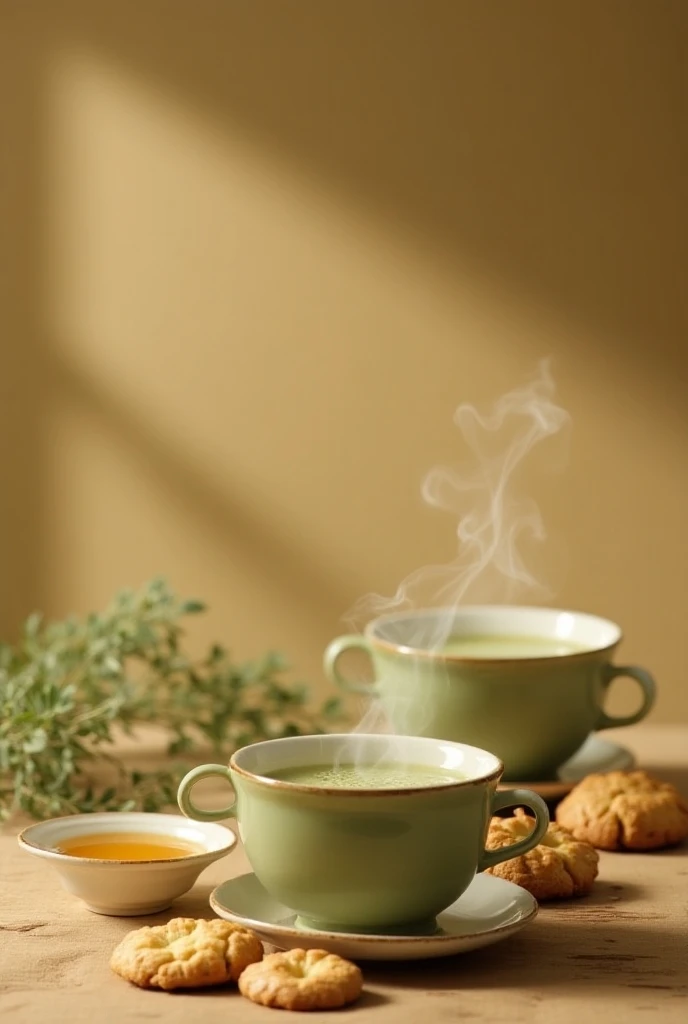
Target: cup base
x=428, y=926
x=138, y=910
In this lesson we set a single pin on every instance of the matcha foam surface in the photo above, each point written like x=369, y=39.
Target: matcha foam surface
x=368, y=776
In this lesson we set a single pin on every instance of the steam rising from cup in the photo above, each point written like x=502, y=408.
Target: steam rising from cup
x=494, y=520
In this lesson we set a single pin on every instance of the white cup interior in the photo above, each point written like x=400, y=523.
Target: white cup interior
x=365, y=749
x=428, y=629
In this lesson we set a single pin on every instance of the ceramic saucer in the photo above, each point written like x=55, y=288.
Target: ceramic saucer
x=596, y=755
x=491, y=909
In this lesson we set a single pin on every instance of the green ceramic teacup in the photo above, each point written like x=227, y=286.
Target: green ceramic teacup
x=527, y=683
x=366, y=859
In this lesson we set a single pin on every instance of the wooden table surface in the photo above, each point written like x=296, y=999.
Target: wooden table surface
x=618, y=955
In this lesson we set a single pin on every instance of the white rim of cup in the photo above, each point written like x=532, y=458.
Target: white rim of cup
x=370, y=632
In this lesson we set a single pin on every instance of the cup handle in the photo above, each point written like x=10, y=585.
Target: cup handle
x=647, y=685
x=517, y=798
x=186, y=804
x=332, y=655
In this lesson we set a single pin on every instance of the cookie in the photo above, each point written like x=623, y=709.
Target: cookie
x=301, y=979
x=559, y=867
x=625, y=811
x=185, y=953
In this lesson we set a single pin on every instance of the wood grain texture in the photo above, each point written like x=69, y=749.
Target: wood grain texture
x=619, y=955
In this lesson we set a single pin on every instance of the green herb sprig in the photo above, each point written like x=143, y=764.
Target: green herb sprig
x=68, y=688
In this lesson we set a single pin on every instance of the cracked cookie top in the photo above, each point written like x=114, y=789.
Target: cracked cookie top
x=186, y=953
x=301, y=979
x=625, y=811
x=560, y=866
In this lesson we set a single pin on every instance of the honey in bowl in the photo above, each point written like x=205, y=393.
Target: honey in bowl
x=127, y=846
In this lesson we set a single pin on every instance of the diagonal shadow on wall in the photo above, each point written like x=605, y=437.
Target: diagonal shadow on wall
x=488, y=134
x=283, y=564
x=544, y=144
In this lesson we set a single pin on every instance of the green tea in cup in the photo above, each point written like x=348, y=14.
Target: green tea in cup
x=526, y=683
x=365, y=833
x=366, y=776
x=499, y=646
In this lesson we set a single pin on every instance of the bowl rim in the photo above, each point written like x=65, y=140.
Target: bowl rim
x=25, y=842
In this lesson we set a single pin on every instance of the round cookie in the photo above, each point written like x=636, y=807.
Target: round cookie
x=185, y=953
x=301, y=979
x=559, y=867
x=625, y=811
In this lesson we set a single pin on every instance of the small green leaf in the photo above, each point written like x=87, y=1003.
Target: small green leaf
x=36, y=743
x=32, y=625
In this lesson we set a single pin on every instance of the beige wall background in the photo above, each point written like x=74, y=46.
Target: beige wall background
x=255, y=253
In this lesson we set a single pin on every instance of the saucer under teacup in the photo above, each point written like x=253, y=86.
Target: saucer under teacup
x=596, y=755
x=490, y=909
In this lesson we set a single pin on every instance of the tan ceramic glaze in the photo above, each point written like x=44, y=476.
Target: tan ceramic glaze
x=365, y=859
x=533, y=712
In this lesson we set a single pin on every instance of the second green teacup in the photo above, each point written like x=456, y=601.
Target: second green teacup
x=527, y=683
x=366, y=833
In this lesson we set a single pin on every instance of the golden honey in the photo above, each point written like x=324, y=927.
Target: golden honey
x=127, y=846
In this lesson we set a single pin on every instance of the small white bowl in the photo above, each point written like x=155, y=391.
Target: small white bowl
x=127, y=888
